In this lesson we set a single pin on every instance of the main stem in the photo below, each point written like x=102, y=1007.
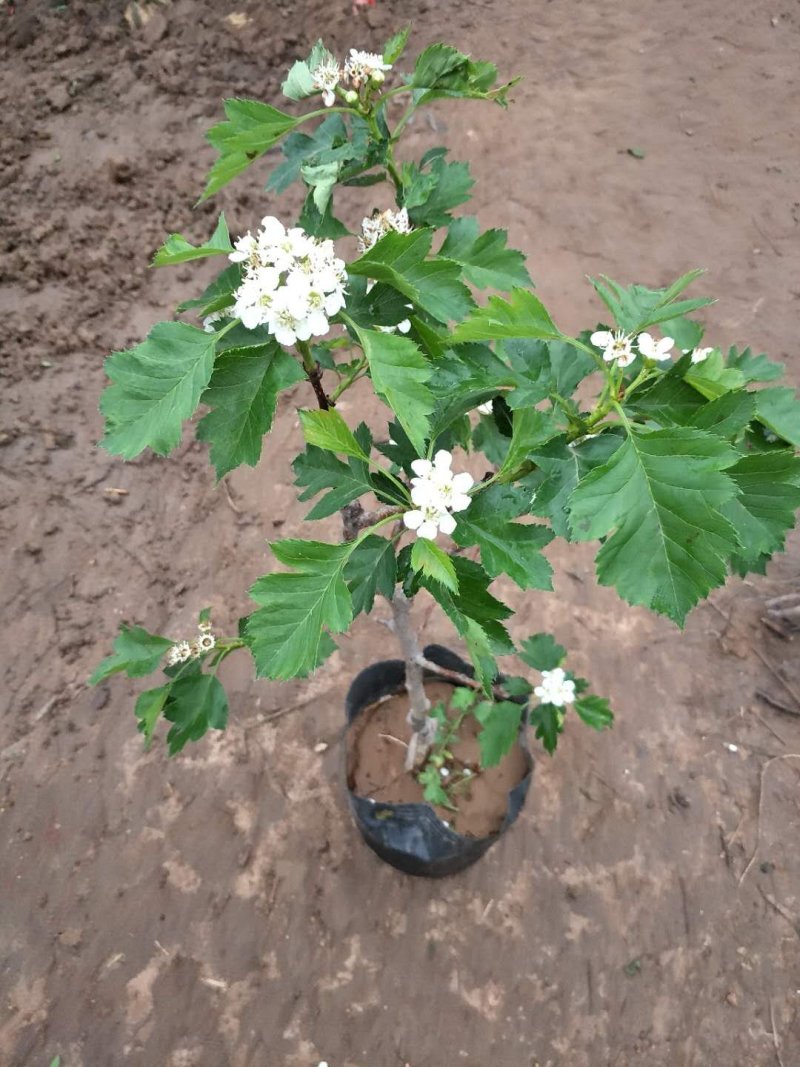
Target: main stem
x=314, y=374
x=423, y=727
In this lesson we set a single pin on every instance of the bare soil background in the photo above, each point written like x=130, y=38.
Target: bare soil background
x=218, y=910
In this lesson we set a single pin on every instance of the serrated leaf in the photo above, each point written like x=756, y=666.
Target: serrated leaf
x=595, y=712
x=507, y=547
x=500, y=732
x=323, y=225
x=779, y=410
x=136, y=652
x=548, y=722
x=371, y=569
x=396, y=45
x=399, y=260
x=434, y=563
x=288, y=633
x=754, y=368
x=657, y=504
x=328, y=430
x=636, y=308
x=522, y=315
x=542, y=652
x=530, y=429
x=149, y=706
x=473, y=604
x=544, y=367
x=559, y=467
x=442, y=70
x=194, y=705
x=486, y=261
x=251, y=128
x=431, y=194
x=176, y=249
x=299, y=82
x=726, y=416
x=712, y=378
x=766, y=507
x=155, y=387
x=316, y=469
x=219, y=294
x=399, y=374
x=243, y=395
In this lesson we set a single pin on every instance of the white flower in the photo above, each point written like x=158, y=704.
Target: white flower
x=245, y=250
x=556, y=688
x=437, y=486
x=362, y=65
x=652, y=349
x=288, y=321
x=443, y=771
x=428, y=520
x=700, y=355
x=179, y=653
x=484, y=409
x=205, y=642
x=616, y=346
x=325, y=78
x=204, y=627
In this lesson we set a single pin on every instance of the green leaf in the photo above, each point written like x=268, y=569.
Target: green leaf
x=500, y=731
x=637, y=307
x=432, y=788
x=136, y=652
x=506, y=547
x=432, y=190
x=541, y=368
x=441, y=70
x=219, y=294
x=434, y=563
x=371, y=569
x=486, y=261
x=176, y=249
x=328, y=143
x=779, y=410
x=396, y=45
x=657, y=504
x=754, y=368
x=766, y=507
x=155, y=387
x=316, y=469
x=522, y=315
x=195, y=704
x=149, y=706
x=432, y=284
x=399, y=374
x=542, y=652
x=299, y=83
x=473, y=603
x=712, y=378
x=560, y=466
x=595, y=712
x=243, y=395
x=321, y=224
x=251, y=128
x=287, y=634
x=726, y=416
x=548, y=722
x=328, y=430
x=530, y=429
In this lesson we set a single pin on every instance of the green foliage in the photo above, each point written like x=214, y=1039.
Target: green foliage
x=371, y=569
x=288, y=634
x=441, y=70
x=299, y=82
x=176, y=249
x=542, y=652
x=657, y=503
x=754, y=368
x=399, y=259
x=251, y=128
x=328, y=430
x=486, y=261
x=769, y=496
x=594, y=711
x=194, y=704
x=522, y=315
x=243, y=395
x=501, y=724
x=434, y=563
x=396, y=45
x=507, y=547
x=149, y=706
x=136, y=653
x=637, y=307
x=541, y=368
x=316, y=469
x=779, y=410
x=548, y=722
x=155, y=387
x=219, y=294
x=432, y=189
x=530, y=429
x=400, y=374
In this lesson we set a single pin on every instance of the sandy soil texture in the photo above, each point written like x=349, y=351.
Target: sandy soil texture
x=218, y=910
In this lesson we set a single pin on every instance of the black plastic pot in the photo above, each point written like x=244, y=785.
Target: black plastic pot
x=412, y=837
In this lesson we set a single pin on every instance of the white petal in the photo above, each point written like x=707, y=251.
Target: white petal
x=665, y=345
x=647, y=345
x=404, y=326
x=463, y=482
x=626, y=359
x=422, y=467
x=273, y=229
x=601, y=338
x=442, y=460
x=413, y=519
x=447, y=523
x=428, y=530
x=460, y=502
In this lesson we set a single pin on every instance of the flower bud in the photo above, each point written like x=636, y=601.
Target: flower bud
x=351, y=96
x=378, y=77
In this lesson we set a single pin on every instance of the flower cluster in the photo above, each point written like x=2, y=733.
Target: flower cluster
x=556, y=688
x=359, y=69
x=378, y=224
x=181, y=651
x=618, y=346
x=437, y=492
x=292, y=282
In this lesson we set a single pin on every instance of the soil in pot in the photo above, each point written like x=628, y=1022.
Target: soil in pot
x=376, y=754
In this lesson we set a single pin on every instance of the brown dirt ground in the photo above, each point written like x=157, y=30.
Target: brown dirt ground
x=218, y=910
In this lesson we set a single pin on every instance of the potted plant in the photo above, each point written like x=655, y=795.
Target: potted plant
x=633, y=434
